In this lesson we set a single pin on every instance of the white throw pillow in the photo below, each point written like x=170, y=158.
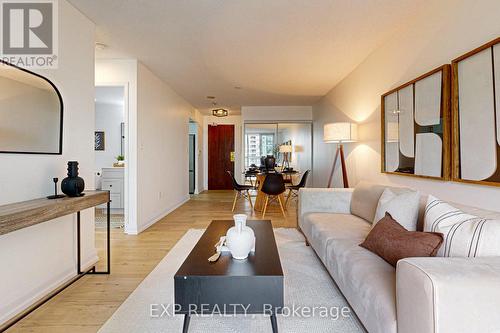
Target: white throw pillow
x=403, y=208
x=465, y=235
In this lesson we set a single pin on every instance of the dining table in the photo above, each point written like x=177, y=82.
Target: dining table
x=261, y=196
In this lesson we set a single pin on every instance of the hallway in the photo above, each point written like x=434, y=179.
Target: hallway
x=88, y=303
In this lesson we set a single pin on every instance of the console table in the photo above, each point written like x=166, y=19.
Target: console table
x=25, y=214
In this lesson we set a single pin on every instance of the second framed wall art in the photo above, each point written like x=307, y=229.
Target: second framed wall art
x=476, y=115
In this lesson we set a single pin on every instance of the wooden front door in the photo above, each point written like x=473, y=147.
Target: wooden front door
x=220, y=156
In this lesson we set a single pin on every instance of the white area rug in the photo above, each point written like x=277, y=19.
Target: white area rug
x=307, y=284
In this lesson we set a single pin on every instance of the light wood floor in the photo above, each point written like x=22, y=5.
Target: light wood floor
x=88, y=303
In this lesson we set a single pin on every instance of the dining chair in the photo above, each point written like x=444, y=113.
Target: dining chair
x=293, y=190
x=273, y=187
x=241, y=191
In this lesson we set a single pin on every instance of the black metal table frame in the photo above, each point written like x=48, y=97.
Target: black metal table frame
x=80, y=273
x=187, y=320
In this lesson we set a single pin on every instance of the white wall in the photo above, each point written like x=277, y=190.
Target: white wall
x=163, y=154
x=238, y=144
x=37, y=259
x=197, y=117
x=108, y=118
x=114, y=72
x=442, y=31
x=276, y=113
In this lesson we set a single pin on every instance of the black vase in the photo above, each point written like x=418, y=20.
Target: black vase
x=73, y=185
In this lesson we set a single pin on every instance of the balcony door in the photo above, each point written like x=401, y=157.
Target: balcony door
x=262, y=139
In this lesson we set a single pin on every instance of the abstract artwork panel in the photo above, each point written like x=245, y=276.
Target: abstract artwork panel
x=496, y=62
x=476, y=119
x=416, y=126
x=392, y=130
x=428, y=100
x=406, y=122
x=428, y=154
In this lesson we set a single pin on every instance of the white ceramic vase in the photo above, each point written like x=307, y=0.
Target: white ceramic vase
x=240, y=239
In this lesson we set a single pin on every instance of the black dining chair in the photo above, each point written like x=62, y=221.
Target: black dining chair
x=273, y=188
x=241, y=191
x=293, y=190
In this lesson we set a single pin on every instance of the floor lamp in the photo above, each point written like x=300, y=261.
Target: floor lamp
x=285, y=150
x=340, y=133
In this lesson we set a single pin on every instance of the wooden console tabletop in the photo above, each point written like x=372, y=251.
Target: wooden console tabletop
x=25, y=214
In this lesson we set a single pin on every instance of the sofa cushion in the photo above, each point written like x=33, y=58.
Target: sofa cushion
x=365, y=199
x=392, y=242
x=367, y=282
x=465, y=235
x=403, y=207
x=323, y=227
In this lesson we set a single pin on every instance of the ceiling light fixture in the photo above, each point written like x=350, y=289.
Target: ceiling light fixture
x=220, y=112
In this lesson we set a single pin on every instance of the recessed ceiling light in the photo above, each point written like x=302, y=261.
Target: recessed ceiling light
x=210, y=97
x=220, y=112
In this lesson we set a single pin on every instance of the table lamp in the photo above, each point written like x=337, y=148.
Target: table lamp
x=286, y=149
x=339, y=133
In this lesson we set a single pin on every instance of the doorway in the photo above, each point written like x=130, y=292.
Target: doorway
x=192, y=163
x=220, y=156
x=110, y=152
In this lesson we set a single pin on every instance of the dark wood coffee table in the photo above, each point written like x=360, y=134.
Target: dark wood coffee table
x=254, y=284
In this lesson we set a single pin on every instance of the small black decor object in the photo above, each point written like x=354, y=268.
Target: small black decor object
x=270, y=163
x=55, y=196
x=73, y=185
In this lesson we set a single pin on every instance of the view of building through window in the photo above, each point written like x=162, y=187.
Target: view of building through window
x=262, y=139
x=257, y=145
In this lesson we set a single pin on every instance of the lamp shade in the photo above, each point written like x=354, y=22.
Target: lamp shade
x=285, y=148
x=340, y=132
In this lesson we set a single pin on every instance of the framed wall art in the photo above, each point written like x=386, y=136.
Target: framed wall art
x=416, y=126
x=99, y=143
x=475, y=115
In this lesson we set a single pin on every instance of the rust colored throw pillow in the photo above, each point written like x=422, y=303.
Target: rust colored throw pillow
x=391, y=241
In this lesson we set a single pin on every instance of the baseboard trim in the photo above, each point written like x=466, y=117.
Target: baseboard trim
x=158, y=217
x=41, y=296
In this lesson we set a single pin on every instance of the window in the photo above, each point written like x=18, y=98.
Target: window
x=264, y=139
x=257, y=145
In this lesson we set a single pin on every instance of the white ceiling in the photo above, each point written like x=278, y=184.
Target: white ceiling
x=281, y=52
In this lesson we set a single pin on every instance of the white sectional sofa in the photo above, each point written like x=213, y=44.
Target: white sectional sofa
x=421, y=294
